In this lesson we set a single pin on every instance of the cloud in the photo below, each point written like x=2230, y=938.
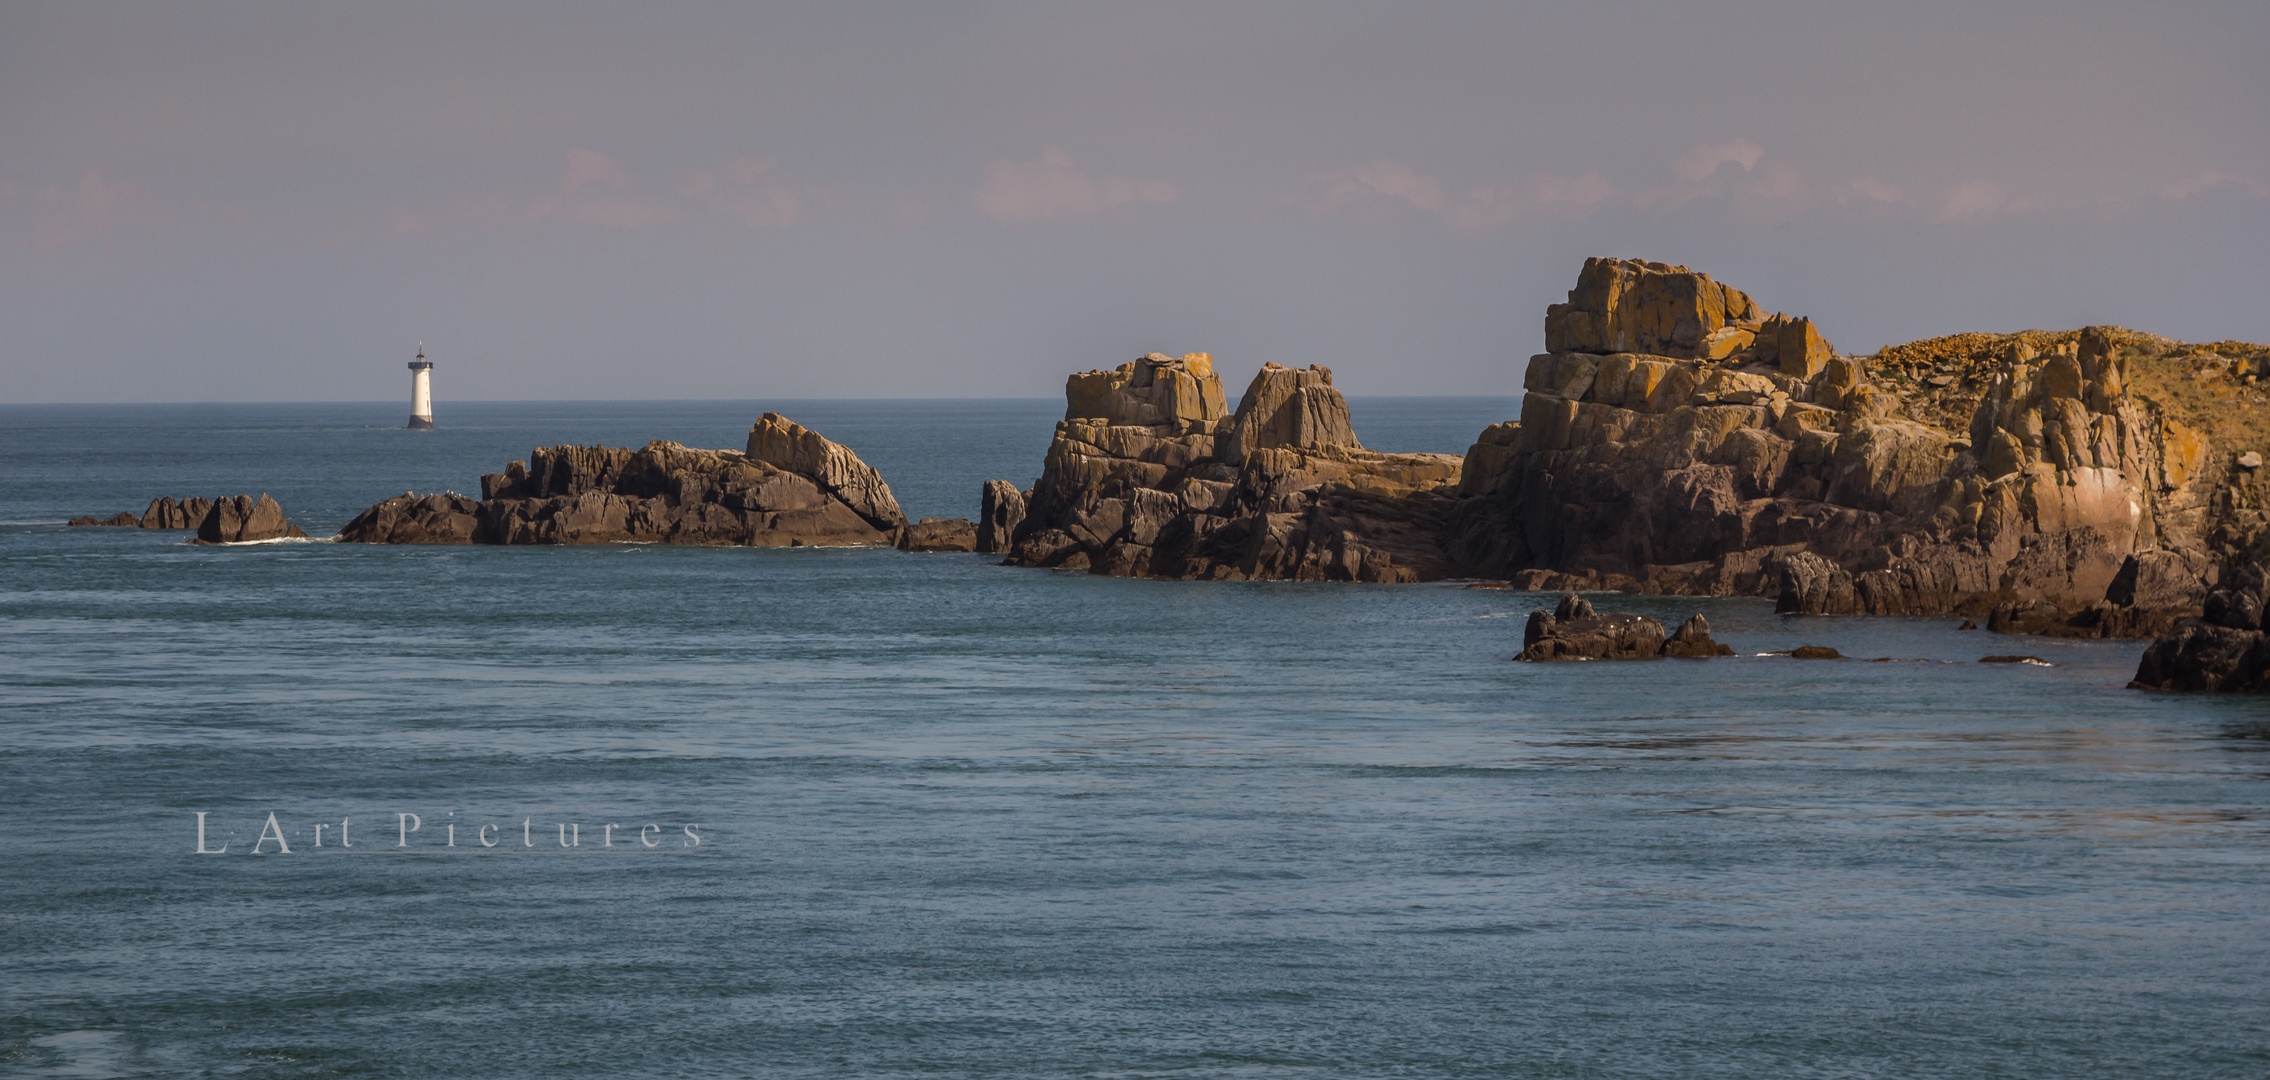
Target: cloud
x=1051, y=188
x=1702, y=162
x=60, y=216
x=2207, y=180
x=1564, y=197
x=753, y=191
x=1381, y=178
x=1973, y=201
x=1867, y=190
x=585, y=168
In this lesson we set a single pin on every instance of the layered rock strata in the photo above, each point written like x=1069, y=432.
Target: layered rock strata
x=231, y=519
x=1679, y=440
x=1151, y=475
x=790, y=487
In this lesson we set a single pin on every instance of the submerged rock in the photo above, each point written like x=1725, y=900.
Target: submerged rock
x=790, y=487
x=1815, y=652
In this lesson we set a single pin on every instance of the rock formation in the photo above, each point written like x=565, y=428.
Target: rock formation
x=790, y=487
x=1678, y=440
x=1574, y=631
x=939, y=534
x=1150, y=475
x=2226, y=647
x=242, y=519
x=228, y=520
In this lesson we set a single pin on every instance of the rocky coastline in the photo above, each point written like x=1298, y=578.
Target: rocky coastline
x=1675, y=438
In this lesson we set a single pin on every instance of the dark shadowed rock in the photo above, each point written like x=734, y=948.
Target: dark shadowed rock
x=790, y=488
x=1693, y=640
x=241, y=519
x=1815, y=652
x=1001, y=509
x=1614, y=636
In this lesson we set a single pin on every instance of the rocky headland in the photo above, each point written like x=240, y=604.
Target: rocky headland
x=789, y=487
x=230, y=519
x=1677, y=437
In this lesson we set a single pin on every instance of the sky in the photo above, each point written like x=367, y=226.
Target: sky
x=280, y=202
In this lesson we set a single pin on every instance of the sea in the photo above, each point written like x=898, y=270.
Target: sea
x=307, y=809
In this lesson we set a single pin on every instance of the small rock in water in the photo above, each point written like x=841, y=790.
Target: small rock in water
x=1815, y=652
x=2015, y=660
x=1967, y=625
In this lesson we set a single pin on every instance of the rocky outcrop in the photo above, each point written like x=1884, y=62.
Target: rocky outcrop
x=1149, y=475
x=1692, y=640
x=939, y=534
x=231, y=519
x=1677, y=439
x=1574, y=631
x=241, y=519
x=2227, y=646
x=790, y=487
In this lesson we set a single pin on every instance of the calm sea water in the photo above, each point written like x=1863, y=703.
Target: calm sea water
x=957, y=819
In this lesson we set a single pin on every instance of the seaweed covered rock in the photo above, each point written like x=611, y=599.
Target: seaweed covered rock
x=1150, y=476
x=790, y=487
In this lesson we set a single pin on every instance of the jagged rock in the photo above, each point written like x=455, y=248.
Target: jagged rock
x=1693, y=639
x=2197, y=655
x=1001, y=508
x=790, y=488
x=2225, y=647
x=787, y=445
x=1155, y=391
x=242, y=519
x=939, y=534
x=1630, y=306
x=1279, y=490
x=440, y=518
x=1652, y=451
x=1614, y=636
x=165, y=512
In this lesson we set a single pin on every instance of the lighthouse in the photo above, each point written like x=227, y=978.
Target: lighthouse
x=421, y=391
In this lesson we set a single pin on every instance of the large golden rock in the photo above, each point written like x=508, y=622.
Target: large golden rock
x=1634, y=306
x=1180, y=392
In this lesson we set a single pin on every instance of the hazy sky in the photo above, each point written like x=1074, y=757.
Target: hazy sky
x=204, y=202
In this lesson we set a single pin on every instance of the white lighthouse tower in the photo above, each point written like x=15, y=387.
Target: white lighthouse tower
x=421, y=391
